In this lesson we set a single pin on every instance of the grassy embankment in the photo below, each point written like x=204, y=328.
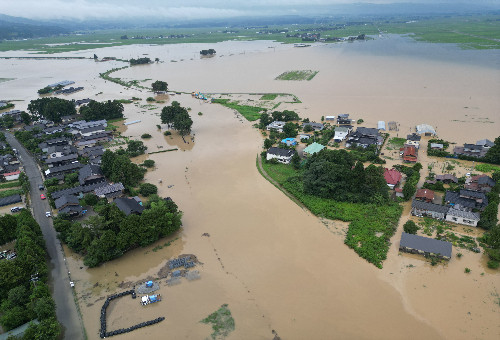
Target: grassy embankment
x=251, y=113
x=371, y=226
x=469, y=31
x=297, y=75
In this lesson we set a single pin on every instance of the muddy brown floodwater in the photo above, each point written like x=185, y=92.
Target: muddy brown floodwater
x=277, y=266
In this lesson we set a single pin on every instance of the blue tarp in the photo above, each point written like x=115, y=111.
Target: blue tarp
x=149, y=284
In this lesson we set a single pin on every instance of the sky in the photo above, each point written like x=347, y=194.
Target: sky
x=180, y=9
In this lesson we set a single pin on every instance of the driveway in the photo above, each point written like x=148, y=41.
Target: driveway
x=61, y=291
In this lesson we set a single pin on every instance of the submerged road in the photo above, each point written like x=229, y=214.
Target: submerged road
x=62, y=293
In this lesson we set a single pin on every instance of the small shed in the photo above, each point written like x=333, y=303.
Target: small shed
x=381, y=125
x=330, y=118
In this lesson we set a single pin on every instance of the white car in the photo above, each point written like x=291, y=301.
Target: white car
x=71, y=284
x=48, y=214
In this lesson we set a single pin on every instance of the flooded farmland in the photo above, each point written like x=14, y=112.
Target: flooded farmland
x=277, y=266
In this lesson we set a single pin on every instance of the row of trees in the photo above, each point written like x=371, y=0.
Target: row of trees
x=51, y=109
x=178, y=117
x=94, y=110
x=284, y=116
x=24, y=294
x=139, y=61
x=336, y=174
x=110, y=234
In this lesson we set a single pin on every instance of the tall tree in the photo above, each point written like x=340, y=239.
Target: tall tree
x=94, y=110
x=51, y=109
x=159, y=86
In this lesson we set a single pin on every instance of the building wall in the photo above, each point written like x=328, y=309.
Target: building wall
x=284, y=160
x=461, y=220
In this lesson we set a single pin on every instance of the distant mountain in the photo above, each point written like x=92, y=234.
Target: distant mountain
x=22, y=28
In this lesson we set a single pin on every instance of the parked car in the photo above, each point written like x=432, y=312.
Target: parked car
x=41, y=187
x=15, y=209
x=71, y=284
x=48, y=214
x=42, y=196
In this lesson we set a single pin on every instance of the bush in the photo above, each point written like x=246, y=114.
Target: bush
x=200, y=113
x=467, y=270
x=147, y=189
x=410, y=227
x=149, y=163
x=158, y=126
x=167, y=133
x=493, y=264
x=145, y=136
x=360, y=121
x=150, y=99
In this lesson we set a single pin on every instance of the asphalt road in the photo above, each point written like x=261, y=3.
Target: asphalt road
x=62, y=293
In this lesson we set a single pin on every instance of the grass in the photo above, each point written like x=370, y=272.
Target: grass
x=12, y=184
x=297, y=75
x=222, y=322
x=251, y=113
x=370, y=228
x=397, y=142
x=269, y=96
x=124, y=101
x=487, y=167
x=11, y=192
x=166, y=244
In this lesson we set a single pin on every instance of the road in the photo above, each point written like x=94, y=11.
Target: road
x=62, y=293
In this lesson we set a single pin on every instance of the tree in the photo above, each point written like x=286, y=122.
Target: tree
x=295, y=161
x=183, y=123
x=308, y=128
x=89, y=199
x=493, y=154
x=290, y=130
x=25, y=118
x=159, y=86
x=147, y=189
x=265, y=120
x=94, y=110
x=51, y=108
x=410, y=227
x=44, y=308
x=149, y=163
x=135, y=148
x=267, y=143
x=168, y=112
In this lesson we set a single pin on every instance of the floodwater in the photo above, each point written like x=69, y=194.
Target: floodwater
x=278, y=267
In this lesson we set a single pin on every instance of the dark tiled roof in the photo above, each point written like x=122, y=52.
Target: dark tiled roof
x=429, y=206
x=128, y=205
x=109, y=189
x=281, y=152
x=472, y=193
x=67, y=199
x=63, y=168
x=414, y=137
x=454, y=198
x=69, y=209
x=67, y=158
x=10, y=200
x=89, y=170
x=77, y=190
x=428, y=245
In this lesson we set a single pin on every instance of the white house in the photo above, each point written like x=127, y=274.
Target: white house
x=462, y=217
x=341, y=133
x=282, y=155
x=277, y=125
x=330, y=118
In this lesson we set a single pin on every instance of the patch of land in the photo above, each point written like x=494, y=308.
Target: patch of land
x=297, y=75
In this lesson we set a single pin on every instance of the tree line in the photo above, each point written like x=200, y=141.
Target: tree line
x=24, y=293
x=110, y=234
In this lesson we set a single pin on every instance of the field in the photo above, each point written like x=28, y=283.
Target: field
x=251, y=113
x=469, y=31
x=297, y=75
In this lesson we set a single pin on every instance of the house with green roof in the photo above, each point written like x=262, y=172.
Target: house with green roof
x=313, y=148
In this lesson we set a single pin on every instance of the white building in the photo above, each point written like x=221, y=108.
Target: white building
x=341, y=133
x=277, y=125
x=282, y=155
x=462, y=217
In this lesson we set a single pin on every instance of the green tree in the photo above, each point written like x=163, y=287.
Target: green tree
x=25, y=118
x=493, y=154
x=147, y=189
x=149, y=163
x=159, y=86
x=183, y=123
x=295, y=161
x=135, y=148
x=290, y=130
x=94, y=110
x=267, y=143
x=8, y=226
x=51, y=108
x=410, y=227
x=44, y=308
x=169, y=112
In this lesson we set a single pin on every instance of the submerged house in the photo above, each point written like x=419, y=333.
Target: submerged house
x=409, y=153
x=424, y=245
x=277, y=125
x=422, y=209
x=425, y=129
x=482, y=183
x=463, y=217
x=425, y=195
x=341, y=133
x=129, y=205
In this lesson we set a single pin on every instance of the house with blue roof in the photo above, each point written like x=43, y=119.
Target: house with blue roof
x=289, y=141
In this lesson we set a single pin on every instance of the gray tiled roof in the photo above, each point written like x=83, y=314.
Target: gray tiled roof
x=425, y=244
x=464, y=214
x=67, y=199
x=429, y=206
x=108, y=189
x=281, y=152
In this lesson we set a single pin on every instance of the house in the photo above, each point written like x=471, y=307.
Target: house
x=58, y=161
x=53, y=129
x=129, y=205
x=313, y=148
x=110, y=190
x=437, y=146
x=463, y=217
x=77, y=191
x=470, y=150
x=90, y=174
x=82, y=144
x=425, y=129
x=65, y=201
x=330, y=118
x=364, y=137
x=304, y=136
x=343, y=119
x=56, y=151
x=281, y=155
x=53, y=142
x=381, y=125
x=341, y=133
x=72, y=210
x=315, y=126
x=392, y=177
x=289, y=141
x=68, y=119
x=11, y=176
x=446, y=178
x=416, y=244
x=482, y=183
x=466, y=200
x=421, y=209
x=10, y=200
x=82, y=124
x=413, y=140
x=277, y=125
x=425, y=195
x=485, y=143
x=409, y=153
x=60, y=171
x=93, y=130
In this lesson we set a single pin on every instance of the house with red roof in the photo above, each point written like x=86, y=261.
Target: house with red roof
x=409, y=153
x=392, y=177
x=425, y=195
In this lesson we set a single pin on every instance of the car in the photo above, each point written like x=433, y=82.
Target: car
x=71, y=284
x=48, y=214
x=42, y=196
x=15, y=209
x=41, y=187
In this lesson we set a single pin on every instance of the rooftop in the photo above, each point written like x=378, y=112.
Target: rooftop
x=428, y=245
x=314, y=148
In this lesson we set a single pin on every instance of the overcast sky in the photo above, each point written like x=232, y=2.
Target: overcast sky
x=177, y=9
